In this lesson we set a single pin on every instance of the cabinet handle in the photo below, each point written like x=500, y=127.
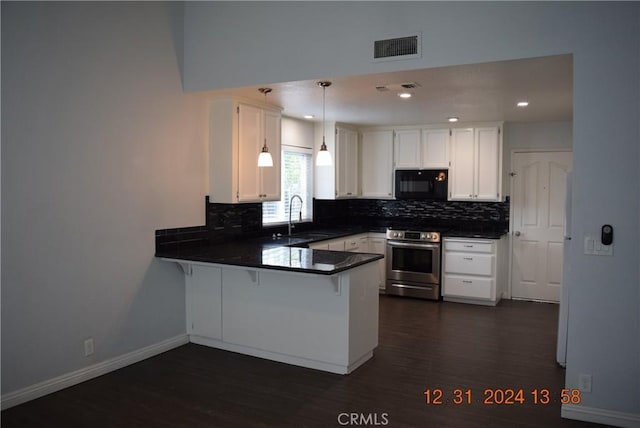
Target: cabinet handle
x=469, y=258
x=468, y=246
x=467, y=281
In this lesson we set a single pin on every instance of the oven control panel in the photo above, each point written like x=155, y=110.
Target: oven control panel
x=411, y=235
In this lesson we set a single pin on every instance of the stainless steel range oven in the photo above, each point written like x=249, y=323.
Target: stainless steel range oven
x=413, y=263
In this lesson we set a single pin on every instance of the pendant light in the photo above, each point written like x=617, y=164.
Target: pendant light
x=264, y=158
x=323, y=157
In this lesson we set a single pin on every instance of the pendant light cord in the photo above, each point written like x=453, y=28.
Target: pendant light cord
x=324, y=104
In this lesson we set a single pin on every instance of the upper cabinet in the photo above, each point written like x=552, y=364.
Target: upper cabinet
x=376, y=164
x=406, y=148
x=346, y=161
x=421, y=148
x=435, y=148
x=475, y=173
x=237, y=132
x=341, y=179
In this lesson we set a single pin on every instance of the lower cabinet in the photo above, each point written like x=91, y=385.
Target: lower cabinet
x=474, y=270
x=204, y=301
x=375, y=243
x=378, y=245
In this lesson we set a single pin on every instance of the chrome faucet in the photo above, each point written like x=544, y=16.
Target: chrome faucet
x=300, y=215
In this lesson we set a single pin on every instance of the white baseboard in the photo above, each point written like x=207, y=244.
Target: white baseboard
x=600, y=416
x=69, y=379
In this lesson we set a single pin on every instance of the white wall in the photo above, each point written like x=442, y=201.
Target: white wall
x=100, y=148
x=231, y=44
x=533, y=136
x=296, y=132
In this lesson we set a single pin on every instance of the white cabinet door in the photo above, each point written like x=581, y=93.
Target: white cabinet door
x=250, y=140
x=476, y=164
x=377, y=164
x=488, y=179
x=378, y=245
x=270, y=176
x=336, y=245
x=462, y=171
x=204, y=302
x=319, y=246
x=435, y=148
x=473, y=270
x=346, y=160
x=407, y=148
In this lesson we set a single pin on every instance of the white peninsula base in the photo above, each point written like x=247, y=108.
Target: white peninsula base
x=324, y=322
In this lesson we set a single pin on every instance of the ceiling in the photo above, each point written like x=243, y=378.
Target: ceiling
x=473, y=93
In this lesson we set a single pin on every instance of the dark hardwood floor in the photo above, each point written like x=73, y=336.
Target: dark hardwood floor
x=423, y=345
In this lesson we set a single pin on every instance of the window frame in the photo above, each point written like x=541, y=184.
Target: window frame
x=293, y=149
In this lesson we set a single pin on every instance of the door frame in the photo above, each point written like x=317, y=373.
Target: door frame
x=513, y=152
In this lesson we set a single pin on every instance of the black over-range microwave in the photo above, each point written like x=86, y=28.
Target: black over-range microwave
x=428, y=184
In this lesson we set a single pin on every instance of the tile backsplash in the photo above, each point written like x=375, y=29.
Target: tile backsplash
x=383, y=212
x=226, y=222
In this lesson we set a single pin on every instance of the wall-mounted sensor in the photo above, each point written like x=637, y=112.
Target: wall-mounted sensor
x=607, y=235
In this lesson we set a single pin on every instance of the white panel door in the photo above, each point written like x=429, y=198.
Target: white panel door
x=462, y=172
x=407, y=148
x=377, y=164
x=538, y=192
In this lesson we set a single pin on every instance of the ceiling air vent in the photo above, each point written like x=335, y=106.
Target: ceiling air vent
x=397, y=49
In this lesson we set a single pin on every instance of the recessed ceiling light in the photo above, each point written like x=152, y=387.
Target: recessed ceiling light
x=308, y=116
x=404, y=95
x=452, y=119
x=523, y=103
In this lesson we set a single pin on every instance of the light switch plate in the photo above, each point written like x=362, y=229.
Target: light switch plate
x=593, y=246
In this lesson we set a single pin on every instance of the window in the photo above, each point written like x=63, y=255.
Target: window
x=296, y=179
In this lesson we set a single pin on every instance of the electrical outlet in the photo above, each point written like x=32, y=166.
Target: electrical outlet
x=88, y=347
x=584, y=382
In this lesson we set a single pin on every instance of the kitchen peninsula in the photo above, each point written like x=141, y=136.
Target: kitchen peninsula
x=312, y=308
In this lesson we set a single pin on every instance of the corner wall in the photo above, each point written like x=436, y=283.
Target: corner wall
x=100, y=147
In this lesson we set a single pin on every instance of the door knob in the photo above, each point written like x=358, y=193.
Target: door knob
x=517, y=233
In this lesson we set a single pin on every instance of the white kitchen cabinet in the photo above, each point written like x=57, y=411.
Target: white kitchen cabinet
x=336, y=245
x=406, y=148
x=435, y=148
x=357, y=243
x=332, y=245
x=237, y=132
x=377, y=164
x=421, y=148
x=474, y=270
x=378, y=245
x=322, y=245
x=339, y=180
x=346, y=163
x=204, y=302
x=475, y=173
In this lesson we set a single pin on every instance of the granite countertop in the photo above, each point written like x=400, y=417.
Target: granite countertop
x=477, y=234
x=290, y=253
x=267, y=253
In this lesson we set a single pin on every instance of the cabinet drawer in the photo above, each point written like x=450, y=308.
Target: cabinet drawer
x=469, y=246
x=467, y=287
x=469, y=264
x=352, y=245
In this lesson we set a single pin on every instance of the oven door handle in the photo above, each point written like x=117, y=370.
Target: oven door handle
x=413, y=245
